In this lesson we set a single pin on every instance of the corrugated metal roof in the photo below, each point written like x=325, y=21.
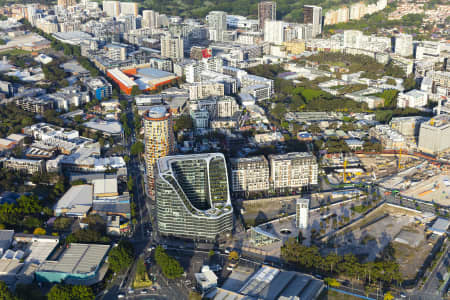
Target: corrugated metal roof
x=77, y=259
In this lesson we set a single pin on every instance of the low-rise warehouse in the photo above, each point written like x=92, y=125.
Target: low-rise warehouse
x=78, y=264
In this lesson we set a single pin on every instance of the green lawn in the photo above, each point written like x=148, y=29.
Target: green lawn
x=15, y=52
x=360, y=209
x=310, y=94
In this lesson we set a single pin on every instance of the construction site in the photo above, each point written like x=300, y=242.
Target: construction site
x=386, y=231
x=425, y=182
x=383, y=165
x=359, y=168
x=435, y=189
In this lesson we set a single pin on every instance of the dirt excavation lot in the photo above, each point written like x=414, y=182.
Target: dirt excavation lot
x=411, y=259
x=390, y=232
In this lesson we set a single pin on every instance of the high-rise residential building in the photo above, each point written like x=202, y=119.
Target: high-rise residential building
x=293, y=170
x=192, y=197
x=158, y=139
x=194, y=70
x=304, y=31
x=217, y=24
x=200, y=118
x=313, y=15
x=99, y=87
x=274, y=32
x=357, y=11
x=302, y=213
x=31, y=14
x=150, y=19
x=172, y=47
x=381, y=4
x=67, y=3
x=201, y=90
x=408, y=126
x=340, y=15
x=227, y=107
x=267, y=10
x=404, y=45
x=116, y=51
x=441, y=78
x=353, y=38
x=343, y=15
x=6, y=88
x=434, y=136
x=129, y=8
x=111, y=8
x=250, y=174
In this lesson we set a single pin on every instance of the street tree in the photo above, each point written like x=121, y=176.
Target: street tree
x=233, y=255
x=5, y=293
x=121, y=257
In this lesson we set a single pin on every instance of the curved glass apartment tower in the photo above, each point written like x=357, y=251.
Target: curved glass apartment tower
x=192, y=196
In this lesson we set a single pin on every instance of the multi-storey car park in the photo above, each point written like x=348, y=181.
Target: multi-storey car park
x=192, y=196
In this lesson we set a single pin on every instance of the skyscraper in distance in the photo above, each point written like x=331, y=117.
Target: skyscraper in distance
x=149, y=19
x=274, y=32
x=313, y=15
x=129, y=8
x=217, y=24
x=67, y=3
x=404, y=45
x=111, y=8
x=267, y=10
x=159, y=139
x=172, y=47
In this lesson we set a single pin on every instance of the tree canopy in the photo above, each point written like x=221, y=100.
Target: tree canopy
x=25, y=212
x=70, y=292
x=5, y=293
x=309, y=258
x=13, y=119
x=170, y=267
x=390, y=98
x=183, y=122
x=39, y=231
x=121, y=257
x=137, y=148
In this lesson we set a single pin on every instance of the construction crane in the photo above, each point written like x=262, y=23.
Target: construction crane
x=399, y=159
x=345, y=170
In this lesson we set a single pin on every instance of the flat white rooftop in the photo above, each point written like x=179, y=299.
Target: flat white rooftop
x=76, y=195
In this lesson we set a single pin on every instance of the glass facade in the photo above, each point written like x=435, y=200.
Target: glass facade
x=192, y=196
